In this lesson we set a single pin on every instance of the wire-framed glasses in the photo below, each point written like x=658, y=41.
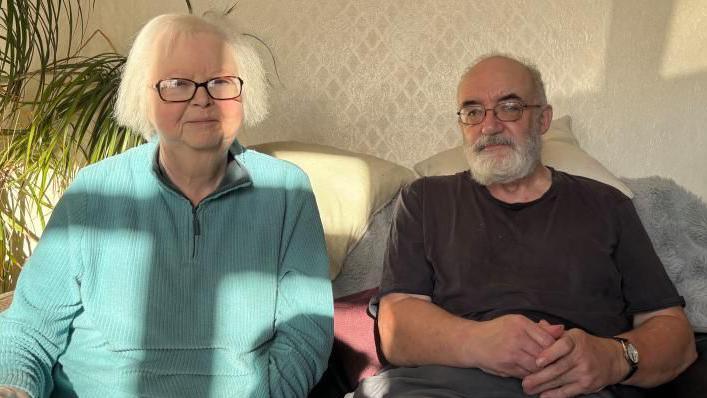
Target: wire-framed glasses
x=505, y=111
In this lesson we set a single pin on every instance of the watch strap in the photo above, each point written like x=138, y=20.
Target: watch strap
x=633, y=366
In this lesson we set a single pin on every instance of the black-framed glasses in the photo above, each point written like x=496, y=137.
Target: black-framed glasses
x=183, y=90
x=505, y=111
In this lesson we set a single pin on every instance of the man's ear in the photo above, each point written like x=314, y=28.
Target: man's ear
x=545, y=119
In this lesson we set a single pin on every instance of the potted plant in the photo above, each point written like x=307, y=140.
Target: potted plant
x=55, y=115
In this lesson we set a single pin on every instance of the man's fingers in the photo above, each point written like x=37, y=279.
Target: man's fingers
x=514, y=371
x=562, y=347
x=566, y=391
x=519, y=372
x=554, y=330
x=549, y=378
x=493, y=372
x=540, y=335
x=532, y=348
x=526, y=362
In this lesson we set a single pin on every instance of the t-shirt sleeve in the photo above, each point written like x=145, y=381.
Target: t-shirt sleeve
x=406, y=268
x=645, y=284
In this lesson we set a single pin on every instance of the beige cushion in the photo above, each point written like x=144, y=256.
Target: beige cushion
x=349, y=187
x=560, y=150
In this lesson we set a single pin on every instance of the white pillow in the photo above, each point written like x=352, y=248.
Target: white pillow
x=349, y=187
x=560, y=150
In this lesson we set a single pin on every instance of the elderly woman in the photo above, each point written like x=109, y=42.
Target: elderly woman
x=188, y=266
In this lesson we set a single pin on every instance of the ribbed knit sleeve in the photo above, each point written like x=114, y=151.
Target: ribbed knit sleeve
x=34, y=330
x=304, y=308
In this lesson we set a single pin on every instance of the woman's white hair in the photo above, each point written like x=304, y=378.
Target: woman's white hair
x=132, y=105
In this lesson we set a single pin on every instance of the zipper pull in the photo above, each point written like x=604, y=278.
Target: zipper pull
x=195, y=219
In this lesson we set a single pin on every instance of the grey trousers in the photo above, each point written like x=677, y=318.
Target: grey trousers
x=449, y=382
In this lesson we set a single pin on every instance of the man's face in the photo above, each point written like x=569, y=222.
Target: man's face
x=498, y=151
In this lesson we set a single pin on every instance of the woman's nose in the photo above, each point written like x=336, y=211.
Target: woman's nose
x=201, y=97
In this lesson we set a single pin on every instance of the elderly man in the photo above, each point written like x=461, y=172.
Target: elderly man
x=513, y=278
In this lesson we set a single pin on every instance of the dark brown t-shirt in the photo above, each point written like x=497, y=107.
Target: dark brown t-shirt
x=578, y=255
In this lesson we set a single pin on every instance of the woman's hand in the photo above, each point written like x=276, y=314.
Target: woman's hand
x=8, y=392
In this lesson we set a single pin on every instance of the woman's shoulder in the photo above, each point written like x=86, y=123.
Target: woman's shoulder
x=123, y=167
x=263, y=166
x=142, y=152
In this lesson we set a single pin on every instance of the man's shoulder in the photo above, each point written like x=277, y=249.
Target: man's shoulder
x=435, y=184
x=589, y=188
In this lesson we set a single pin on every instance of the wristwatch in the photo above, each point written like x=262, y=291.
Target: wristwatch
x=631, y=355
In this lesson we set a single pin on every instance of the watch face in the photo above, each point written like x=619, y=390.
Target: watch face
x=632, y=353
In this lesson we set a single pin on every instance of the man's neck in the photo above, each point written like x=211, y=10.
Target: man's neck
x=524, y=190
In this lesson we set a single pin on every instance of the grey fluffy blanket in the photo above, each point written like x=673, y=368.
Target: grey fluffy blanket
x=676, y=221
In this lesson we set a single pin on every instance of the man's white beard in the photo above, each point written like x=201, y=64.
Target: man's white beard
x=491, y=169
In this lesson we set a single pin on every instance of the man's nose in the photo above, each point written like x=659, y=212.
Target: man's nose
x=490, y=124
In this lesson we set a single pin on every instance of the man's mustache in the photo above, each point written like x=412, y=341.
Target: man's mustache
x=488, y=140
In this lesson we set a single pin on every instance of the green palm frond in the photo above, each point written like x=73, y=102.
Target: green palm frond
x=55, y=112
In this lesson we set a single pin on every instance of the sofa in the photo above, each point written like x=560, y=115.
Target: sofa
x=356, y=193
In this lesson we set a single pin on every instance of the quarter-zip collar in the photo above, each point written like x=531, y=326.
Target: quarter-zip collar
x=236, y=175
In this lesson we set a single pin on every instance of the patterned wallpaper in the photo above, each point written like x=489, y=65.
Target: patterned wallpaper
x=385, y=73
x=379, y=76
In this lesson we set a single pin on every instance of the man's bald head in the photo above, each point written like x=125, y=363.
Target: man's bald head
x=510, y=65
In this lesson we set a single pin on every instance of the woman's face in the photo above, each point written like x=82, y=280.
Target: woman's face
x=203, y=123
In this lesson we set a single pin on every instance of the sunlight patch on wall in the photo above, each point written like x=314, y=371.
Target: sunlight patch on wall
x=686, y=47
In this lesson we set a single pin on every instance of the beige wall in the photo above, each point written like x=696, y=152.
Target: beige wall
x=378, y=76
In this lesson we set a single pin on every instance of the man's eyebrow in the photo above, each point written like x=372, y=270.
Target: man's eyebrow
x=470, y=103
x=511, y=96
x=507, y=97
